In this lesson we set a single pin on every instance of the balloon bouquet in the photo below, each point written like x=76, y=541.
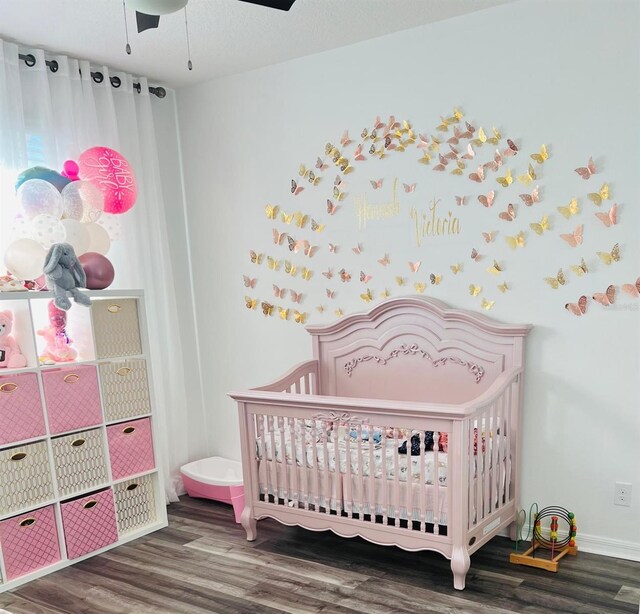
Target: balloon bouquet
x=79, y=206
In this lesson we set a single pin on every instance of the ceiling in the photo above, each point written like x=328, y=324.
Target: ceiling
x=226, y=36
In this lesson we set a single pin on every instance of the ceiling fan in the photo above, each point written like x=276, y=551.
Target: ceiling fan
x=148, y=12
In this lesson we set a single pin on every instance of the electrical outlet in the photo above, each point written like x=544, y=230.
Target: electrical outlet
x=622, y=494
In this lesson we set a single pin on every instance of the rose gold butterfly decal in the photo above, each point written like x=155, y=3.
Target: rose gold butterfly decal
x=586, y=171
x=389, y=144
x=475, y=255
x=320, y=165
x=308, y=249
x=489, y=237
x=364, y=278
x=487, y=201
x=294, y=246
x=385, y=260
x=278, y=237
x=423, y=142
x=357, y=249
x=358, y=156
x=249, y=282
x=575, y=238
x=632, y=289
x=376, y=185
x=328, y=273
x=443, y=163
x=607, y=297
x=509, y=215
x=460, y=200
x=345, y=140
x=610, y=218
x=469, y=132
x=529, y=199
x=330, y=293
x=279, y=292
x=333, y=249
x=494, y=164
x=471, y=154
x=579, y=308
x=478, y=176
x=295, y=188
x=296, y=297
x=331, y=208
x=344, y=276
x=415, y=266
x=409, y=188
x=511, y=150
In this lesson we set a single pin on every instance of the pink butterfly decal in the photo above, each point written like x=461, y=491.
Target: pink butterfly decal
x=529, y=199
x=377, y=123
x=320, y=165
x=333, y=249
x=443, y=163
x=331, y=208
x=469, y=132
x=279, y=292
x=389, y=144
x=509, y=215
x=330, y=293
x=358, y=155
x=295, y=296
x=328, y=273
x=487, y=201
x=586, y=171
x=457, y=135
x=489, y=236
x=384, y=261
x=575, y=238
x=579, y=308
x=364, y=278
x=610, y=218
x=494, y=164
x=295, y=188
x=357, y=249
x=392, y=124
x=345, y=140
x=460, y=200
x=453, y=154
x=475, y=255
x=478, y=176
x=415, y=266
x=344, y=276
x=423, y=142
x=248, y=282
x=409, y=188
x=308, y=249
x=295, y=246
x=376, y=185
x=607, y=297
x=278, y=237
x=471, y=154
x=632, y=289
x=512, y=150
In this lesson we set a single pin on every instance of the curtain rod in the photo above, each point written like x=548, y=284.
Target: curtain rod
x=98, y=77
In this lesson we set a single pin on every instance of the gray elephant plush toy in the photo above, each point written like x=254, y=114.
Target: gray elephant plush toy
x=64, y=275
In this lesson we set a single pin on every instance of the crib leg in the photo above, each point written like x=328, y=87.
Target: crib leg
x=460, y=563
x=249, y=524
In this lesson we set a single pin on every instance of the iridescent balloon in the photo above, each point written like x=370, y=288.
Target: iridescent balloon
x=82, y=201
x=38, y=197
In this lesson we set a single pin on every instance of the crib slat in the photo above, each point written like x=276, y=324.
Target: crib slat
x=436, y=487
x=327, y=477
x=507, y=443
x=479, y=466
x=422, y=485
x=488, y=468
x=504, y=455
x=314, y=466
x=472, y=473
x=396, y=476
x=284, y=465
x=297, y=386
x=408, y=499
x=294, y=459
x=260, y=418
x=384, y=477
x=496, y=446
x=360, y=474
x=348, y=477
x=372, y=477
x=307, y=384
x=305, y=476
x=273, y=465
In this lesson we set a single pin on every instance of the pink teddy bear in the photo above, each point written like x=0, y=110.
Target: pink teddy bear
x=58, y=348
x=10, y=356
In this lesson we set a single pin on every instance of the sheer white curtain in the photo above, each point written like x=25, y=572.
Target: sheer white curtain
x=48, y=117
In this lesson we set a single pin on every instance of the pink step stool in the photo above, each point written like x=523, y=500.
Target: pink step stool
x=215, y=478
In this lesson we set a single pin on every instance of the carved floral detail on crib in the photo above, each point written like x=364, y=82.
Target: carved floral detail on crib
x=333, y=416
x=413, y=349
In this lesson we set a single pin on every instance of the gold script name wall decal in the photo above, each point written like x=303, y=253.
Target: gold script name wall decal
x=428, y=224
x=384, y=211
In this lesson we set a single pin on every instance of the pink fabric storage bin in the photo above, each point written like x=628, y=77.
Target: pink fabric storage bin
x=89, y=523
x=21, y=415
x=130, y=448
x=72, y=397
x=29, y=542
x=216, y=478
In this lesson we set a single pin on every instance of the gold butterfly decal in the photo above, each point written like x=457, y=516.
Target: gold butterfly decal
x=250, y=302
x=290, y=269
x=557, y=281
x=541, y=156
x=320, y=308
x=495, y=269
x=306, y=274
x=316, y=227
x=528, y=177
x=597, y=197
x=503, y=287
x=456, y=268
x=505, y=181
x=435, y=144
x=540, y=227
x=300, y=318
x=367, y=297
x=338, y=192
x=303, y=171
x=287, y=219
x=610, y=257
x=573, y=208
x=420, y=286
x=385, y=293
x=580, y=269
x=301, y=219
x=273, y=264
x=284, y=313
x=255, y=257
x=401, y=281
x=485, y=304
x=474, y=290
x=435, y=279
x=339, y=313
x=481, y=139
x=267, y=308
x=425, y=159
x=313, y=178
x=271, y=211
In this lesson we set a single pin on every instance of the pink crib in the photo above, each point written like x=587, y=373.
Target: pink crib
x=322, y=447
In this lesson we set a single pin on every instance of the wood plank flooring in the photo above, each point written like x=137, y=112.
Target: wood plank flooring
x=202, y=564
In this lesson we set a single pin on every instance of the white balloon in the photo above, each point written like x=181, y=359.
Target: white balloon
x=99, y=240
x=82, y=201
x=37, y=197
x=21, y=228
x=47, y=230
x=24, y=258
x=112, y=224
x=77, y=236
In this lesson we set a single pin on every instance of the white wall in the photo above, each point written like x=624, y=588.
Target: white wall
x=561, y=73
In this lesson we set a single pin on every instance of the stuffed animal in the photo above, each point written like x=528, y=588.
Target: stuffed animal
x=10, y=356
x=58, y=347
x=64, y=275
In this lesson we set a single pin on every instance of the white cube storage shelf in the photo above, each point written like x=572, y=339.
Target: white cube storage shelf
x=78, y=470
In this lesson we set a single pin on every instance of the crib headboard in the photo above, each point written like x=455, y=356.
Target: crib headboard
x=415, y=349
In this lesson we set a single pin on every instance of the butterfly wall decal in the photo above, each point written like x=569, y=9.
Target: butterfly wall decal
x=540, y=227
x=255, y=257
x=609, y=218
x=420, y=287
x=579, y=269
x=296, y=297
x=598, y=197
x=567, y=211
x=364, y=278
x=518, y=241
x=579, y=308
x=610, y=257
x=474, y=290
x=485, y=304
x=542, y=155
x=557, y=281
x=495, y=268
x=456, y=268
x=295, y=188
x=586, y=171
x=489, y=237
x=530, y=199
x=250, y=303
x=528, y=177
x=271, y=211
x=574, y=239
x=487, y=201
x=414, y=267
x=248, y=282
x=632, y=289
x=331, y=208
x=279, y=292
x=607, y=297
x=435, y=279
x=509, y=215
x=384, y=261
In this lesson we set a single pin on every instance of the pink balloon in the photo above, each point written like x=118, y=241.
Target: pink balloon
x=112, y=173
x=98, y=269
x=70, y=170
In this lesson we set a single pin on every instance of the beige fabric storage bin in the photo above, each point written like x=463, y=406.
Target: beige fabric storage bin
x=25, y=477
x=80, y=461
x=116, y=327
x=125, y=389
x=135, y=504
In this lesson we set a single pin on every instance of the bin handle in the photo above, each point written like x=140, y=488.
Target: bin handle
x=27, y=522
x=127, y=430
x=8, y=387
x=124, y=371
x=18, y=456
x=90, y=504
x=132, y=486
x=113, y=308
x=71, y=378
x=76, y=443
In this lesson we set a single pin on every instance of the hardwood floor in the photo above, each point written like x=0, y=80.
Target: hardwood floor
x=202, y=563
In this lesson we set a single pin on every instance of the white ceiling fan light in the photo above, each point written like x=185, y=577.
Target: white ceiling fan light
x=156, y=7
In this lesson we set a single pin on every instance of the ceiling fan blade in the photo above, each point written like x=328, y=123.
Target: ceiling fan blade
x=283, y=5
x=146, y=22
